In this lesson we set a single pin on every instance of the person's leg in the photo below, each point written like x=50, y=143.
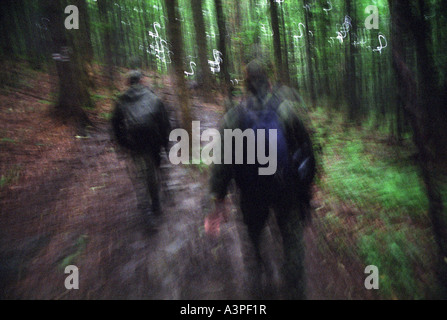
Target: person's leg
x=291, y=226
x=137, y=174
x=153, y=182
x=254, y=216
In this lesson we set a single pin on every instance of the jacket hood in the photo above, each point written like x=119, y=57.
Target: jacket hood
x=134, y=93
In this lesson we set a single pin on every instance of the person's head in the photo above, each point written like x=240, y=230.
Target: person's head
x=134, y=77
x=256, y=78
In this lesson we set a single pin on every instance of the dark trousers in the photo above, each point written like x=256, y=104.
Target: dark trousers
x=289, y=217
x=144, y=173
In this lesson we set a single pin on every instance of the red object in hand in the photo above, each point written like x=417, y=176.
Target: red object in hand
x=212, y=225
x=213, y=221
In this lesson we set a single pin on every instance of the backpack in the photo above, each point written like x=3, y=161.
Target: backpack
x=295, y=163
x=140, y=120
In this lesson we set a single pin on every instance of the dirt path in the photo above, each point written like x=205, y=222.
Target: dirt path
x=75, y=205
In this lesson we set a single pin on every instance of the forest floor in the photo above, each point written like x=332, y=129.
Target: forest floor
x=68, y=200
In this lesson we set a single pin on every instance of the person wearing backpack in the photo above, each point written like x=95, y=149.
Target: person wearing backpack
x=141, y=127
x=287, y=192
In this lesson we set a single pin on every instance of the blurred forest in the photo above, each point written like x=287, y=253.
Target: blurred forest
x=373, y=74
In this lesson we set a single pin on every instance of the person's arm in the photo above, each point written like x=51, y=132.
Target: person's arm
x=117, y=125
x=293, y=116
x=300, y=143
x=221, y=175
x=165, y=126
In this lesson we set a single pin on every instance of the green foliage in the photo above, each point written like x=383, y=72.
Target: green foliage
x=90, y=108
x=361, y=179
x=98, y=97
x=397, y=251
x=361, y=174
x=106, y=115
x=46, y=102
x=77, y=249
x=392, y=228
x=8, y=140
x=10, y=177
x=201, y=166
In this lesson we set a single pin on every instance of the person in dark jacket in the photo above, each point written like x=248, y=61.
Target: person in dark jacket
x=288, y=193
x=141, y=127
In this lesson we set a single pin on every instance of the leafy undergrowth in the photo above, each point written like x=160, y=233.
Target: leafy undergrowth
x=375, y=206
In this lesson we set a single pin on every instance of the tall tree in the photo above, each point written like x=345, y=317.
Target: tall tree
x=175, y=37
x=144, y=36
x=351, y=85
x=323, y=26
x=225, y=75
x=277, y=42
x=106, y=32
x=7, y=9
x=73, y=92
x=309, y=54
x=285, y=52
x=83, y=42
x=201, y=42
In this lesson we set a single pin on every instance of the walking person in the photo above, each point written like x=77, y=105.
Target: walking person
x=287, y=192
x=141, y=126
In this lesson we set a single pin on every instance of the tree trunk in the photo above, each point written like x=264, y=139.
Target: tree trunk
x=277, y=42
x=175, y=36
x=103, y=7
x=225, y=75
x=120, y=37
x=146, y=16
x=144, y=35
x=309, y=55
x=323, y=25
x=73, y=93
x=83, y=43
x=351, y=95
x=6, y=28
x=285, y=66
x=204, y=70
